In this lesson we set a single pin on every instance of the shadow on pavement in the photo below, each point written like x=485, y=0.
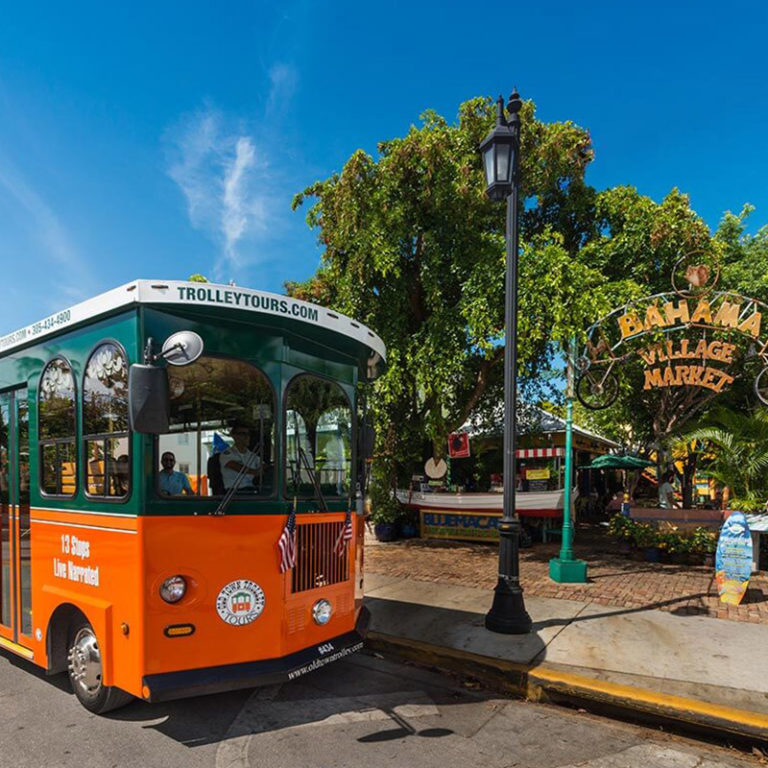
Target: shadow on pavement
x=372, y=694
x=625, y=611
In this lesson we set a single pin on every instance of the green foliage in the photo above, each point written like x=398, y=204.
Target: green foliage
x=738, y=454
x=641, y=240
x=197, y=278
x=645, y=535
x=745, y=257
x=414, y=248
x=621, y=527
x=701, y=541
x=385, y=508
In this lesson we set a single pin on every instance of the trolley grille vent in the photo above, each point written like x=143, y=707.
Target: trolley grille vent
x=317, y=565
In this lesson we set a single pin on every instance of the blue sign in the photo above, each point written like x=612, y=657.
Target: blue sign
x=445, y=524
x=733, y=559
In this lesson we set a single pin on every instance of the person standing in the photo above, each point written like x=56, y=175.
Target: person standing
x=667, y=492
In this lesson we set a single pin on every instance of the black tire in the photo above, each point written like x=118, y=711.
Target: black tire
x=761, y=386
x=596, y=397
x=84, y=669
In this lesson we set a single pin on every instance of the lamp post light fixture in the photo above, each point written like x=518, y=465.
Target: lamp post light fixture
x=501, y=160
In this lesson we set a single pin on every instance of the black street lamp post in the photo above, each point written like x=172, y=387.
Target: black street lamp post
x=501, y=160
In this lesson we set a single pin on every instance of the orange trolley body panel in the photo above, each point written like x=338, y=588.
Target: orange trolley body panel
x=213, y=552
x=99, y=575
x=110, y=567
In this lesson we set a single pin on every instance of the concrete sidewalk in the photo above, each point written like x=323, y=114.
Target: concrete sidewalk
x=691, y=671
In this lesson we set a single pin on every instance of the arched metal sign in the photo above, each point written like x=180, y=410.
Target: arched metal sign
x=684, y=338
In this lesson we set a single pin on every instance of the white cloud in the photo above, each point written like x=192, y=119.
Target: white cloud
x=72, y=274
x=226, y=181
x=283, y=80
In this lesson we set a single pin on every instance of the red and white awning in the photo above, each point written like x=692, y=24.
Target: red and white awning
x=539, y=453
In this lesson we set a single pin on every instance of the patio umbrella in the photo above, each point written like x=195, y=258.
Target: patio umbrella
x=612, y=461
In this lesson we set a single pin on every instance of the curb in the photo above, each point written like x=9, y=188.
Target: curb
x=542, y=683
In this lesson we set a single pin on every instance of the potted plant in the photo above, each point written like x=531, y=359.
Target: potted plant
x=385, y=513
x=676, y=546
x=408, y=523
x=704, y=544
x=646, y=539
x=622, y=530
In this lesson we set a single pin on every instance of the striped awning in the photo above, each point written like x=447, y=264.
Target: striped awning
x=539, y=453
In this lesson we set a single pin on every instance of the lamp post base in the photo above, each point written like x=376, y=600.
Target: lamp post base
x=508, y=615
x=567, y=571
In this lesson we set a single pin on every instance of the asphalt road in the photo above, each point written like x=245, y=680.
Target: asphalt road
x=363, y=711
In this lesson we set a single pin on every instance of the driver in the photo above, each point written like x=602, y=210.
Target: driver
x=238, y=456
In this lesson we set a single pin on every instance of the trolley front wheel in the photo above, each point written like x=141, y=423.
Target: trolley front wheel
x=85, y=673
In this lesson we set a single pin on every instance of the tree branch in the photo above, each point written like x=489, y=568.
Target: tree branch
x=481, y=384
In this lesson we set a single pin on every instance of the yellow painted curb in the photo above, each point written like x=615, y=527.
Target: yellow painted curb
x=652, y=700
x=541, y=682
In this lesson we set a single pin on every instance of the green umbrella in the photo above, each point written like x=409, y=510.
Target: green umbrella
x=612, y=461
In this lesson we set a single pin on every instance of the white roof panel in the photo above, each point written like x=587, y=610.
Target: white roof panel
x=179, y=293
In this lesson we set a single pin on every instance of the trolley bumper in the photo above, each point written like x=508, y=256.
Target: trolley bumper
x=252, y=674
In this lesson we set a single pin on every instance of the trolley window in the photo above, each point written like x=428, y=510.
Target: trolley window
x=57, y=429
x=318, y=438
x=105, y=423
x=222, y=431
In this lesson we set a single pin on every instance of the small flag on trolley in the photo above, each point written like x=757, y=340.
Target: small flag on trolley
x=287, y=543
x=345, y=535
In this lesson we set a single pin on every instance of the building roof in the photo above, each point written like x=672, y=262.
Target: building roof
x=532, y=420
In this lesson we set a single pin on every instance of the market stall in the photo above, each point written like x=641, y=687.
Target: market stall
x=468, y=515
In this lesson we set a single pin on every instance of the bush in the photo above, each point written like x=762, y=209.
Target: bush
x=646, y=536
x=385, y=508
x=621, y=527
x=703, y=542
x=643, y=535
x=674, y=543
x=750, y=505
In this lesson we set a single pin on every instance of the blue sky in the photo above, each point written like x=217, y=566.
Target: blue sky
x=157, y=140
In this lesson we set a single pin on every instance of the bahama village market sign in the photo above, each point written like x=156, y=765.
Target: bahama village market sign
x=684, y=338
x=688, y=361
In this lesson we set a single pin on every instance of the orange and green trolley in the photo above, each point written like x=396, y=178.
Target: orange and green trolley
x=180, y=470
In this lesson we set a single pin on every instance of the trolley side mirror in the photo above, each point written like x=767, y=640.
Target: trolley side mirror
x=148, y=399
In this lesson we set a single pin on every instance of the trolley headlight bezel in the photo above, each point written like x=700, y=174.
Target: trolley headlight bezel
x=173, y=589
x=322, y=611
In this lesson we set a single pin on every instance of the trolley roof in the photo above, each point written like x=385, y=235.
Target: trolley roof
x=174, y=293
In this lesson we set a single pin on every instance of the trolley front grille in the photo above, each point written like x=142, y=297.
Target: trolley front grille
x=317, y=564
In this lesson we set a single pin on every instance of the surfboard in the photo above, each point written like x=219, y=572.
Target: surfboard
x=733, y=559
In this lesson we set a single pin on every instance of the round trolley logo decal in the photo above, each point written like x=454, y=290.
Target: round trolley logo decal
x=240, y=602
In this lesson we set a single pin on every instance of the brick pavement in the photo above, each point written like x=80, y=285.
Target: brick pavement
x=613, y=579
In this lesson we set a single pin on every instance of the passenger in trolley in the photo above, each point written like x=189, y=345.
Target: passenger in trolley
x=172, y=483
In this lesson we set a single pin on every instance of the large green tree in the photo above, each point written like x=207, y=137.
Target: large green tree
x=413, y=247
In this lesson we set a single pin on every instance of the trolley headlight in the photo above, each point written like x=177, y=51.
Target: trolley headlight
x=173, y=589
x=321, y=612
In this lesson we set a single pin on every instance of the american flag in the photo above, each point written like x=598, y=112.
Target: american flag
x=287, y=543
x=345, y=535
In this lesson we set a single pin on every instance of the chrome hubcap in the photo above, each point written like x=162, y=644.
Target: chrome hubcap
x=85, y=662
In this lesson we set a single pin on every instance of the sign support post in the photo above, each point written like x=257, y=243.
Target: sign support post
x=565, y=569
